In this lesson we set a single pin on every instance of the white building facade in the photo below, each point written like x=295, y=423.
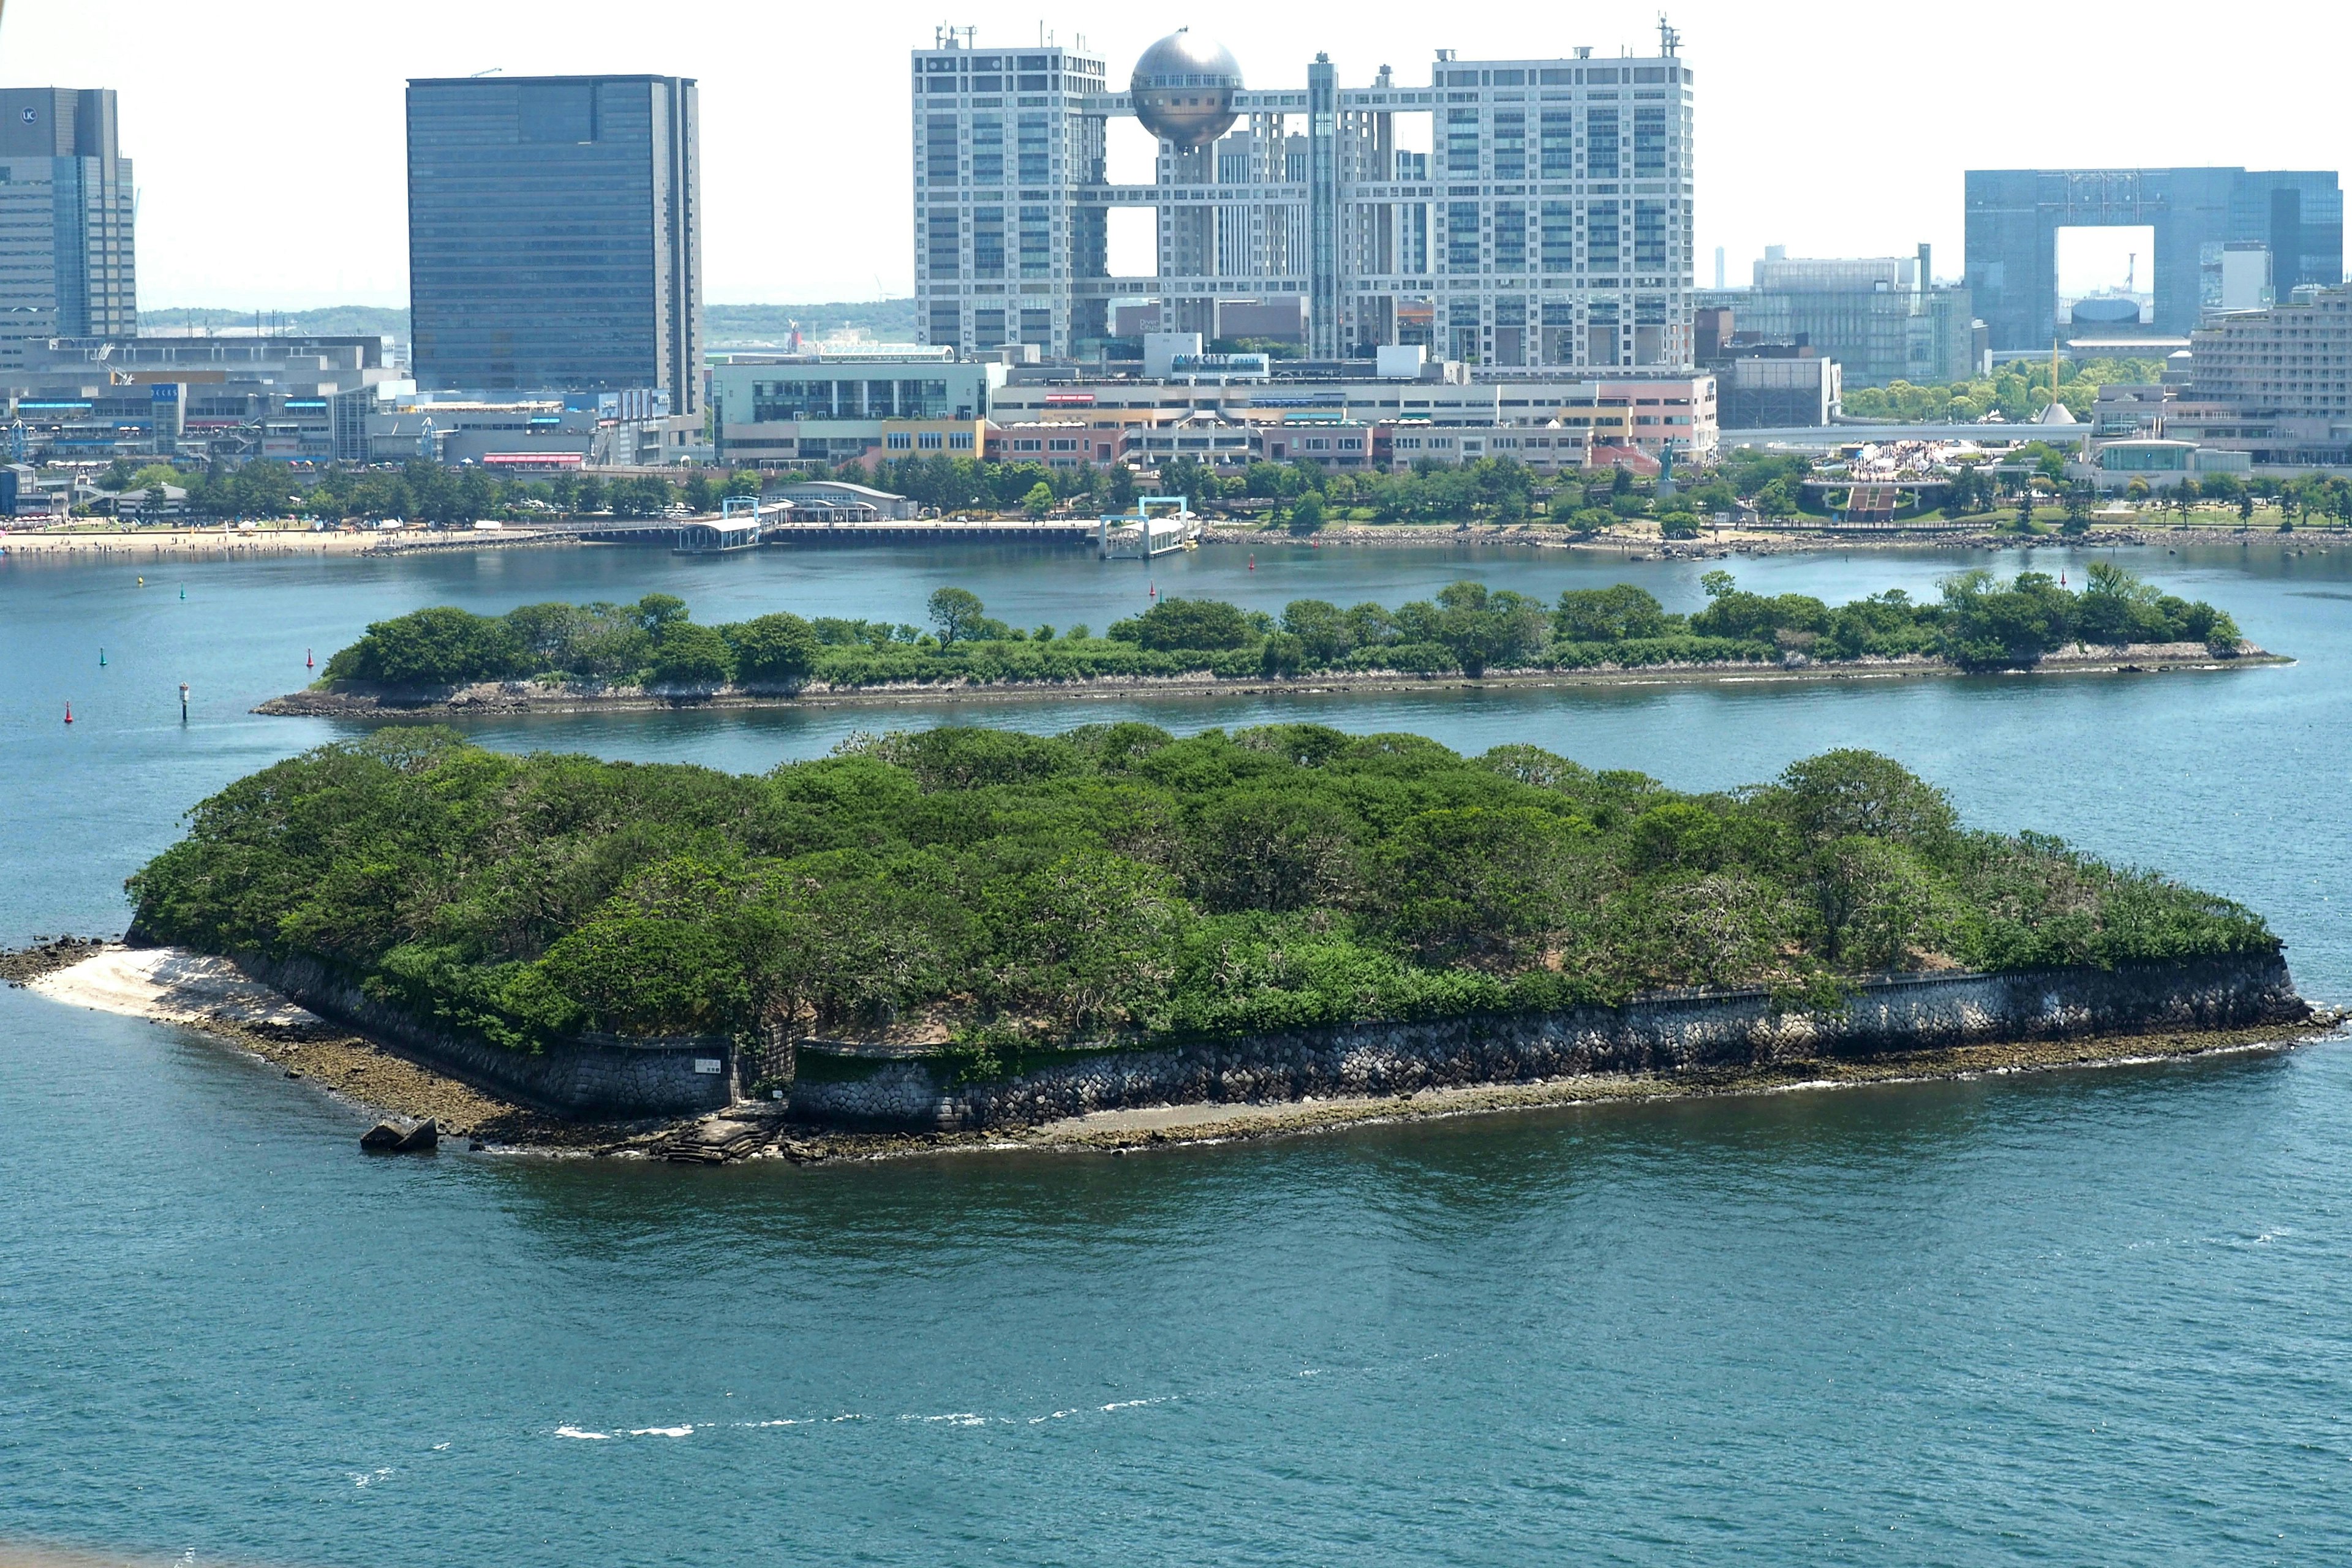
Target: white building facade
x=1548, y=225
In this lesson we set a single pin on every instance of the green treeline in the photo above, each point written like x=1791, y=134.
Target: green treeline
x=2017, y=392
x=1978, y=623
x=996, y=890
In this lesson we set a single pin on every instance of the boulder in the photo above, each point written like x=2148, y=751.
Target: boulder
x=390, y=1138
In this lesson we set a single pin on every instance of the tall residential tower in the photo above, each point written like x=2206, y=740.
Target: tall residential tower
x=65, y=206
x=1549, y=223
x=556, y=234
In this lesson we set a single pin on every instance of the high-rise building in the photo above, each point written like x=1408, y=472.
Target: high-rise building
x=556, y=234
x=2014, y=217
x=1549, y=224
x=1881, y=317
x=66, y=251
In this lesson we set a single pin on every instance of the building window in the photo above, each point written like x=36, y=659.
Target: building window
x=943, y=256
x=1558, y=237
x=1510, y=237
x=1036, y=151
x=1462, y=141
x=1511, y=145
x=940, y=149
x=928, y=440
x=1601, y=238
x=1649, y=141
x=900, y=441
x=987, y=149
x=1601, y=144
x=959, y=440
x=1649, y=237
x=1036, y=242
x=1556, y=144
x=1462, y=236
x=988, y=242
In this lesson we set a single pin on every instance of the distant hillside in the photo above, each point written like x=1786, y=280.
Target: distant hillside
x=761, y=326
x=329, y=320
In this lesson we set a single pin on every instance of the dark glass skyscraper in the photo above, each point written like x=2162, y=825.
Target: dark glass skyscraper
x=556, y=234
x=66, y=253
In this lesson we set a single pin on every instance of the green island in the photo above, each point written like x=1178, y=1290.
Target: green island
x=985, y=896
x=1976, y=624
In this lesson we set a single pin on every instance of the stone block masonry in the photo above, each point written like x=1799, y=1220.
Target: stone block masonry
x=1653, y=1035
x=602, y=1078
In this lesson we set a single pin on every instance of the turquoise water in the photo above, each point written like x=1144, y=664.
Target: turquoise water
x=2056, y=1318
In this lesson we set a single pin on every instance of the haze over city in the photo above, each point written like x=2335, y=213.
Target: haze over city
x=1837, y=129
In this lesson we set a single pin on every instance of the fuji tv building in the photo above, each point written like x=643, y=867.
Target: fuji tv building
x=1547, y=228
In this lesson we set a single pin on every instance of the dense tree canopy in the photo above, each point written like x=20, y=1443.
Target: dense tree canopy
x=1469, y=628
x=1115, y=882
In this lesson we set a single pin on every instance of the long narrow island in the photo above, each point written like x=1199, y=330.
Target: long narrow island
x=654, y=654
x=975, y=930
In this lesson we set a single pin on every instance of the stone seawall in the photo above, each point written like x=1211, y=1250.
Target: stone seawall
x=603, y=1076
x=1662, y=1034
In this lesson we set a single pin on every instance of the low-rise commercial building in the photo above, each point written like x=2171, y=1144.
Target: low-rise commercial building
x=794, y=410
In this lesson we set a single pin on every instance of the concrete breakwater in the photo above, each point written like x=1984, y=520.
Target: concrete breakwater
x=615, y=1078
x=1660, y=1034
x=599, y=1077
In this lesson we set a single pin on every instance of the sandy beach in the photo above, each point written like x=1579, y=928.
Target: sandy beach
x=163, y=544
x=168, y=986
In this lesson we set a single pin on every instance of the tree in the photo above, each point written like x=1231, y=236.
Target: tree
x=441, y=646
x=1608, y=615
x=775, y=649
x=688, y=655
x=1192, y=625
x=956, y=612
x=1039, y=500
x=1307, y=513
x=655, y=612
x=1481, y=627
x=1850, y=793
x=2078, y=511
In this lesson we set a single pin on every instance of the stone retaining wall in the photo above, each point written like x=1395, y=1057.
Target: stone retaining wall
x=1661, y=1033
x=597, y=1077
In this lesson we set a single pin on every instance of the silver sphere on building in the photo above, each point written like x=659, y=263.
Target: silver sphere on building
x=1183, y=88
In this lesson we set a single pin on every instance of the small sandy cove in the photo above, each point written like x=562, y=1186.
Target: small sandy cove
x=171, y=987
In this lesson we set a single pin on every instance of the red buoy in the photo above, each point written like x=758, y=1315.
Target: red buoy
x=1252, y=559
x=68, y=713
x=308, y=662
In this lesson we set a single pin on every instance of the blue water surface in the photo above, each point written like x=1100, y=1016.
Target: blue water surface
x=2052, y=1317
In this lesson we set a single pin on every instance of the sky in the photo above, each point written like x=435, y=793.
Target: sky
x=267, y=134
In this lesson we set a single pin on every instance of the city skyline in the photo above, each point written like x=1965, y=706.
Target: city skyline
x=1774, y=122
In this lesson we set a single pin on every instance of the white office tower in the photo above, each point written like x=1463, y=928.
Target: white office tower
x=1548, y=224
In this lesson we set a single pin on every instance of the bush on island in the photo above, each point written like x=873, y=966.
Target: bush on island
x=1114, y=884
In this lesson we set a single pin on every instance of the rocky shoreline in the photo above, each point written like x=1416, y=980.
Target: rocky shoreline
x=379, y=1083
x=1647, y=544
x=529, y=696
